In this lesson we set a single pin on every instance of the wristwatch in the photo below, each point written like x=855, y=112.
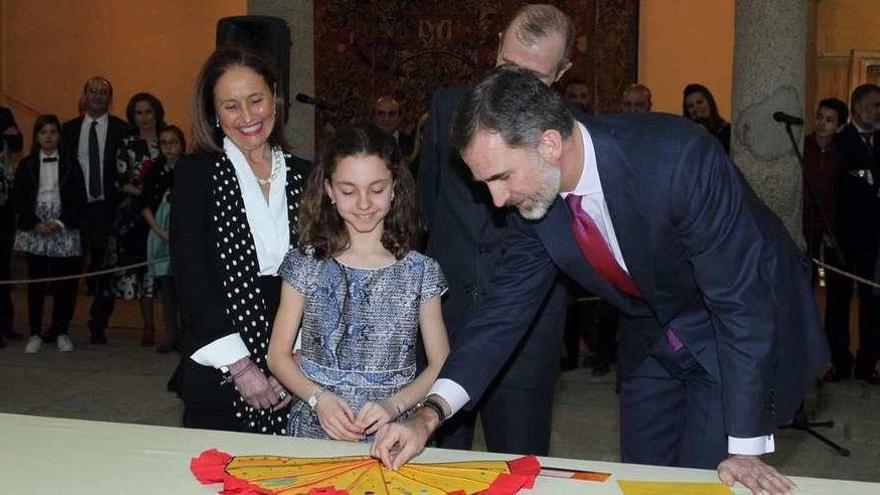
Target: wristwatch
x=434, y=405
x=313, y=399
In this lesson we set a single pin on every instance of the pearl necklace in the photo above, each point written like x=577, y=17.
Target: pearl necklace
x=272, y=175
x=268, y=180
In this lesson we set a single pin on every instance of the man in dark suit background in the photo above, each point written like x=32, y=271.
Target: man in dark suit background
x=719, y=334
x=92, y=139
x=857, y=228
x=387, y=117
x=465, y=237
x=10, y=142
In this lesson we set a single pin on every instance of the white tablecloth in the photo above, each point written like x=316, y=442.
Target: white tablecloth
x=52, y=455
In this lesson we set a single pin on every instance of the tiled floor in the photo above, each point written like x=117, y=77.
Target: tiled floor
x=126, y=383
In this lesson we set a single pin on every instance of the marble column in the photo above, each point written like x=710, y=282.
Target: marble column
x=299, y=15
x=769, y=76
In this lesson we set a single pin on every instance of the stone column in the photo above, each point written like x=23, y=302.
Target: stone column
x=300, y=15
x=768, y=76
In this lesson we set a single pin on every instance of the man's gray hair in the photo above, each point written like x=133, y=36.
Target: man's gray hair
x=513, y=102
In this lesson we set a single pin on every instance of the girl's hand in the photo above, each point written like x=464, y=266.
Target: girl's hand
x=46, y=227
x=375, y=414
x=163, y=234
x=337, y=418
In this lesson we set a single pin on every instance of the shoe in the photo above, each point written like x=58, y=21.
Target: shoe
x=834, y=376
x=98, y=336
x=64, y=343
x=2, y=343
x=600, y=369
x=33, y=344
x=12, y=335
x=871, y=379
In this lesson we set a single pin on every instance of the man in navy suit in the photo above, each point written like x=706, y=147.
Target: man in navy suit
x=719, y=335
x=92, y=139
x=465, y=237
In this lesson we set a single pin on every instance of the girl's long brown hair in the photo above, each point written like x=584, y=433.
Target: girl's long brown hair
x=322, y=231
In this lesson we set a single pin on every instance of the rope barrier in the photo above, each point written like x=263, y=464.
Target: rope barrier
x=834, y=269
x=846, y=274
x=83, y=275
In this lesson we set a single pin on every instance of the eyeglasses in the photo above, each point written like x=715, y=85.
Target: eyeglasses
x=98, y=91
x=168, y=143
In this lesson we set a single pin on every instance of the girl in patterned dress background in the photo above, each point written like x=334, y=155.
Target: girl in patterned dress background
x=357, y=294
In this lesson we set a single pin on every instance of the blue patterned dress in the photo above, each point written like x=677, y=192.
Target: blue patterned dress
x=359, y=327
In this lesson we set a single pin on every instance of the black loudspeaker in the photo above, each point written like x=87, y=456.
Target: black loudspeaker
x=269, y=35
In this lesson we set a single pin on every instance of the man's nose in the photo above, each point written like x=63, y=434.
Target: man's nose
x=499, y=195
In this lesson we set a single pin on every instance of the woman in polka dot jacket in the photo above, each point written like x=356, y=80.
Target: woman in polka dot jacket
x=235, y=213
x=358, y=295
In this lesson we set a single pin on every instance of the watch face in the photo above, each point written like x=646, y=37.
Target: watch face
x=313, y=401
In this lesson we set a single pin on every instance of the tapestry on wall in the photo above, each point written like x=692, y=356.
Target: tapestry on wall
x=368, y=48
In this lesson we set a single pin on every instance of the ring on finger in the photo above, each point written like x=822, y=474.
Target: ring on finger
x=282, y=394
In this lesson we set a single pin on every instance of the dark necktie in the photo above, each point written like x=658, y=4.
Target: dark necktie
x=94, y=163
x=868, y=139
x=594, y=248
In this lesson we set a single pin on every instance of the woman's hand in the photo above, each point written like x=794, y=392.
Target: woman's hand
x=252, y=384
x=337, y=418
x=375, y=414
x=284, y=397
x=162, y=233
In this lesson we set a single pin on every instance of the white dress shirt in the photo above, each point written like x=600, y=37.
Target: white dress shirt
x=270, y=229
x=593, y=203
x=48, y=190
x=83, y=150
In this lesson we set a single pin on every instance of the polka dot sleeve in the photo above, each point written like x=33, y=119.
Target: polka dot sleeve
x=433, y=281
x=299, y=270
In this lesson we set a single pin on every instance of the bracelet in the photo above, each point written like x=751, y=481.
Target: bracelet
x=231, y=378
x=434, y=406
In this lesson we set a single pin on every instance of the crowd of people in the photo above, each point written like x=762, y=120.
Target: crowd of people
x=381, y=294
x=91, y=195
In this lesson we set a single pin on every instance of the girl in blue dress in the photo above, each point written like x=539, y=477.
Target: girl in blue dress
x=357, y=294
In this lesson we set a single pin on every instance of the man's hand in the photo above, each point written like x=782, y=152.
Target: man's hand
x=754, y=474
x=397, y=443
x=252, y=384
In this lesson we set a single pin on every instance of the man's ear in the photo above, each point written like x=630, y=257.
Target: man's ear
x=550, y=145
x=562, y=71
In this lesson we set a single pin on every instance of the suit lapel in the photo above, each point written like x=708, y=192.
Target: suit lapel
x=624, y=200
x=556, y=234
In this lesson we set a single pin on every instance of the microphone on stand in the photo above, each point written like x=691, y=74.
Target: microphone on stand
x=316, y=102
x=779, y=117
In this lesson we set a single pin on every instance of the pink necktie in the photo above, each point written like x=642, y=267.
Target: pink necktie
x=594, y=248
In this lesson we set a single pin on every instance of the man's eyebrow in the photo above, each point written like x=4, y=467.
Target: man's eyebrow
x=498, y=176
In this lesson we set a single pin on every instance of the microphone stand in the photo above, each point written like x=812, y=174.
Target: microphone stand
x=800, y=421
x=814, y=198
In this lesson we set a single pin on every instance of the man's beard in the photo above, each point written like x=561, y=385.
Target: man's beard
x=546, y=194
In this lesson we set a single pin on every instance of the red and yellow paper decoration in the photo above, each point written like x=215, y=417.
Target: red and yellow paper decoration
x=260, y=474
